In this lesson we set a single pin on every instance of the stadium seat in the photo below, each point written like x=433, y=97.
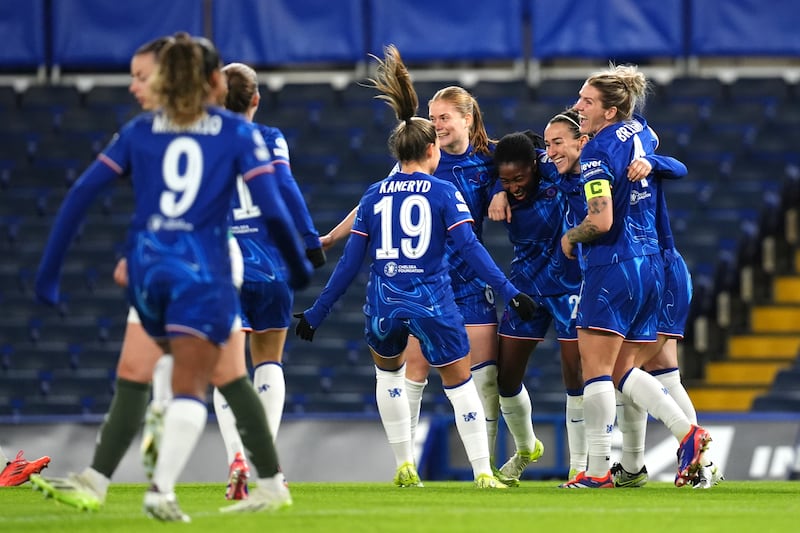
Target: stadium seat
x=297, y=117
x=426, y=90
x=16, y=151
x=104, y=97
x=532, y=116
x=54, y=98
x=776, y=145
x=9, y=98
x=512, y=91
x=745, y=118
x=302, y=94
x=560, y=93
x=680, y=116
x=94, y=123
x=714, y=146
x=765, y=91
x=701, y=91
x=28, y=123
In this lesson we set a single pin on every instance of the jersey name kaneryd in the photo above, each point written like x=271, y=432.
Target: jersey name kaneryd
x=406, y=220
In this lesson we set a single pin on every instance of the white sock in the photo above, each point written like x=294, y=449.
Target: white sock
x=227, y=426
x=471, y=425
x=599, y=412
x=184, y=421
x=414, y=391
x=632, y=423
x=576, y=433
x=485, y=378
x=271, y=388
x=517, y=412
x=671, y=380
x=394, y=411
x=648, y=393
x=99, y=482
x=162, y=381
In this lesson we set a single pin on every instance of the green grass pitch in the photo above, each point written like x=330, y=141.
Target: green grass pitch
x=438, y=507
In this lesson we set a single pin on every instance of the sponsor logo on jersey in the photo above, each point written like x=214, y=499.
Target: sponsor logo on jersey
x=636, y=196
x=159, y=223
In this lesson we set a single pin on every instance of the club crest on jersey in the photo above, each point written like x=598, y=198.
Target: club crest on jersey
x=390, y=269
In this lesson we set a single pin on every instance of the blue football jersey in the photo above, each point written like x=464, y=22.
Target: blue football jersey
x=262, y=259
x=402, y=224
x=471, y=173
x=537, y=223
x=606, y=157
x=183, y=180
x=406, y=219
x=180, y=175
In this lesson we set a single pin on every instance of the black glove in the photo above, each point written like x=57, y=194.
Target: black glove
x=523, y=305
x=316, y=256
x=304, y=329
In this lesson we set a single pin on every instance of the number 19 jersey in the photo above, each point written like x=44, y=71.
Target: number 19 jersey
x=406, y=218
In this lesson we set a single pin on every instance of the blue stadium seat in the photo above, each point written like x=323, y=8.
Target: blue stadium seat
x=28, y=123
x=104, y=97
x=680, y=116
x=714, y=146
x=776, y=145
x=512, y=91
x=302, y=94
x=16, y=150
x=65, y=151
x=744, y=118
x=532, y=116
x=426, y=90
x=9, y=98
x=766, y=91
x=96, y=124
x=701, y=91
x=560, y=93
x=55, y=98
x=357, y=93
x=783, y=401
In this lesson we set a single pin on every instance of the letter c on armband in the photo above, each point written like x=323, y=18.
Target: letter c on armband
x=596, y=188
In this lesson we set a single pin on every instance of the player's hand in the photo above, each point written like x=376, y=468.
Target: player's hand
x=567, y=247
x=304, y=329
x=499, y=208
x=639, y=169
x=327, y=241
x=316, y=256
x=523, y=305
x=121, y=273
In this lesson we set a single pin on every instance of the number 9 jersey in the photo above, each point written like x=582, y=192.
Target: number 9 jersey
x=183, y=180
